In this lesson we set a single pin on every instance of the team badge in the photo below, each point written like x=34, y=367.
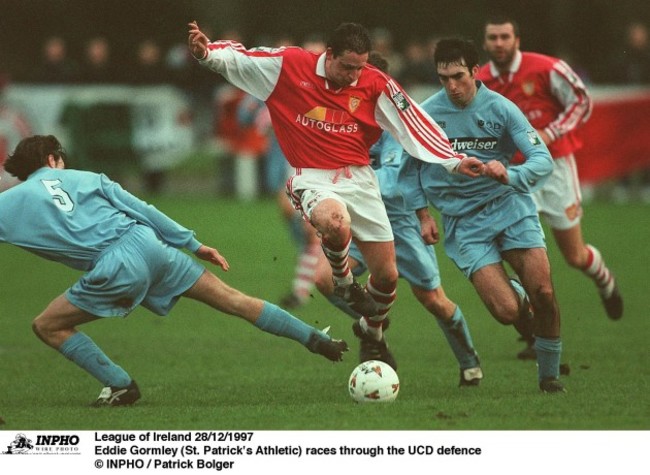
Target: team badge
x=528, y=87
x=533, y=137
x=573, y=211
x=354, y=103
x=400, y=101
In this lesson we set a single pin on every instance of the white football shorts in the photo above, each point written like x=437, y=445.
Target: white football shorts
x=559, y=200
x=354, y=186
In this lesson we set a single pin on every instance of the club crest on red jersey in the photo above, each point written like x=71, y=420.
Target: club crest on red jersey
x=354, y=103
x=528, y=88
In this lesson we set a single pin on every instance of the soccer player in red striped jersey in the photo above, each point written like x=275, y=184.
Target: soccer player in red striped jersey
x=327, y=110
x=557, y=103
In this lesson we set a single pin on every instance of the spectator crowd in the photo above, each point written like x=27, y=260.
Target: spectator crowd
x=214, y=103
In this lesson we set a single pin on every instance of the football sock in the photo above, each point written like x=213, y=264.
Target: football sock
x=457, y=334
x=521, y=293
x=548, y=351
x=81, y=350
x=305, y=271
x=278, y=322
x=297, y=229
x=338, y=259
x=342, y=305
x=384, y=297
x=598, y=272
x=372, y=328
x=524, y=325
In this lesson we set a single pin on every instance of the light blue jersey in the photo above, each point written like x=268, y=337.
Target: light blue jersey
x=71, y=216
x=490, y=128
x=481, y=217
x=386, y=156
x=416, y=260
x=128, y=248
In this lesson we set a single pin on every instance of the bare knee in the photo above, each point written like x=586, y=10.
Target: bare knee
x=332, y=220
x=505, y=312
x=385, y=277
x=543, y=296
x=37, y=327
x=436, y=302
x=547, y=315
x=44, y=331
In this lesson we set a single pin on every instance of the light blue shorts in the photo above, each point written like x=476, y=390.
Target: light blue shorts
x=477, y=239
x=416, y=260
x=138, y=269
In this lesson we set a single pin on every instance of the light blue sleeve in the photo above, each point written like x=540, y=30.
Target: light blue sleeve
x=531, y=175
x=408, y=179
x=166, y=228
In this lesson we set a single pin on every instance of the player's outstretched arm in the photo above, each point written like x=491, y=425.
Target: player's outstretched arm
x=212, y=255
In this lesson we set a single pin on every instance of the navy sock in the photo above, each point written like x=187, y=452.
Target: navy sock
x=81, y=350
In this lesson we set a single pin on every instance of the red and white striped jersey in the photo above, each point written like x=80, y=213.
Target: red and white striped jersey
x=549, y=92
x=318, y=126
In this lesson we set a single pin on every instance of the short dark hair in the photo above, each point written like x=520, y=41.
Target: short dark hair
x=501, y=19
x=376, y=59
x=350, y=37
x=31, y=154
x=456, y=50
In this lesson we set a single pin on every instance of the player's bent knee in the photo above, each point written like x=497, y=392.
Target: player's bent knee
x=42, y=329
x=385, y=280
x=36, y=327
x=544, y=297
x=506, y=316
x=331, y=219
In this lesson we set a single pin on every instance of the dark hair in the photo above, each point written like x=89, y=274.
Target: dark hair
x=378, y=61
x=456, y=50
x=350, y=37
x=502, y=20
x=31, y=154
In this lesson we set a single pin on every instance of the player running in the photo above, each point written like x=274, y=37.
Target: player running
x=327, y=110
x=557, y=103
x=130, y=254
x=416, y=263
x=491, y=219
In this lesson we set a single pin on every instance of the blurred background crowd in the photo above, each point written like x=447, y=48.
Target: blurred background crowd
x=135, y=44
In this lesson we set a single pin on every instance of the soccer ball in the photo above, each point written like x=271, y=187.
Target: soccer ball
x=373, y=381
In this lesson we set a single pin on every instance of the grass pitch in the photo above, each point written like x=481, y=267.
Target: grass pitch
x=199, y=369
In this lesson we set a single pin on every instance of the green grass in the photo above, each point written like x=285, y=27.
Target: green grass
x=199, y=369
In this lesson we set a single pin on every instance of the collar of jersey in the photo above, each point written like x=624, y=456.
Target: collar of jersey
x=320, y=71
x=514, y=66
